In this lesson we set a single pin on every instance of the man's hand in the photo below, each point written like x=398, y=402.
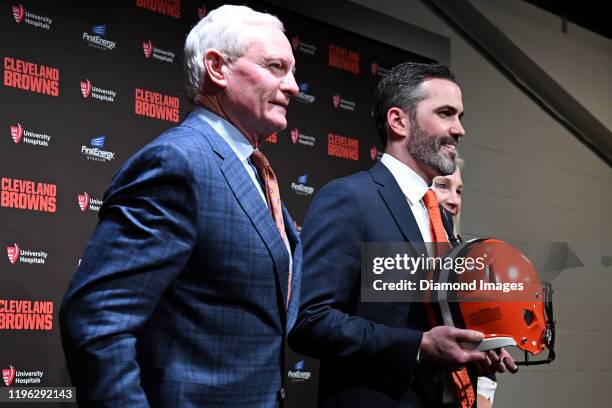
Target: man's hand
x=497, y=361
x=440, y=345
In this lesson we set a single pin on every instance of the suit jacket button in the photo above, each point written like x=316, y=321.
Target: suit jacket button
x=281, y=393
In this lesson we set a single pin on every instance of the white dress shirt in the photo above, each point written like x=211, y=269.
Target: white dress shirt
x=236, y=141
x=414, y=188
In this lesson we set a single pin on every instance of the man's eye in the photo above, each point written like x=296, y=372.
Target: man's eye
x=275, y=66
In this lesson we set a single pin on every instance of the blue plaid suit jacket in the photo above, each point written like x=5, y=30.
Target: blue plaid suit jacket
x=180, y=296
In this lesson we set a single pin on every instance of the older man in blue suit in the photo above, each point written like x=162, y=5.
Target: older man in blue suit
x=191, y=280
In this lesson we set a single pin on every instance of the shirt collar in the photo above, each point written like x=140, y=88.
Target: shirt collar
x=228, y=132
x=411, y=184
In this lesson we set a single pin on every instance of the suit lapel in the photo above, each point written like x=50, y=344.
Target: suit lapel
x=396, y=202
x=252, y=204
x=296, y=275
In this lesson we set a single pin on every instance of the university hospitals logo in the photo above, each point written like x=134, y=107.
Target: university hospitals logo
x=147, y=47
x=95, y=92
x=375, y=154
x=13, y=253
x=17, y=254
x=299, y=45
x=378, y=70
x=341, y=103
x=33, y=138
x=18, y=13
x=17, y=133
x=157, y=53
x=21, y=15
x=86, y=202
x=336, y=100
x=83, y=200
x=21, y=377
x=297, y=137
x=86, y=88
x=8, y=375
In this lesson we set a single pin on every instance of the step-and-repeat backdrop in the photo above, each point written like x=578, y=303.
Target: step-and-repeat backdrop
x=85, y=85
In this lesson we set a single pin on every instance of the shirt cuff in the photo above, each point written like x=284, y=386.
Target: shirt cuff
x=487, y=387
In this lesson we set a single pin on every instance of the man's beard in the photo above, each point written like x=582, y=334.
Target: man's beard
x=427, y=149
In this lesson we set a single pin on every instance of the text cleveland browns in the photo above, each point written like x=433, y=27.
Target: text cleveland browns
x=342, y=146
x=26, y=315
x=28, y=195
x=156, y=105
x=30, y=76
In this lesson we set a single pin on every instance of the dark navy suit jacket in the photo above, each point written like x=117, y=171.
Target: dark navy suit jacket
x=180, y=297
x=368, y=350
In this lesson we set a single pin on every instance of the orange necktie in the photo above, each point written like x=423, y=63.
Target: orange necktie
x=461, y=379
x=273, y=198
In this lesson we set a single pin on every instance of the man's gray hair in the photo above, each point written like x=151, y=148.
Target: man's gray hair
x=226, y=29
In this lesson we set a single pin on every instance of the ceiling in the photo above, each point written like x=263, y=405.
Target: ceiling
x=592, y=15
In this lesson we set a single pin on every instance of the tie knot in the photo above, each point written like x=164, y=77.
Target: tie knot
x=259, y=160
x=430, y=200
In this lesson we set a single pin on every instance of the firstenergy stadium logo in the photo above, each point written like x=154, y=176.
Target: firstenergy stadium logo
x=21, y=15
x=170, y=8
x=86, y=202
x=28, y=195
x=299, y=374
x=304, y=96
x=19, y=134
x=96, y=38
x=302, y=187
x=26, y=315
x=156, y=105
x=30, y=76
x=17, y=254
x=150, y=51
x=96, y=150
x=88, y=90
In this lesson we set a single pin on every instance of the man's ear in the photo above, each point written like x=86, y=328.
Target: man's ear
x=398, y=124
x=215, y=65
